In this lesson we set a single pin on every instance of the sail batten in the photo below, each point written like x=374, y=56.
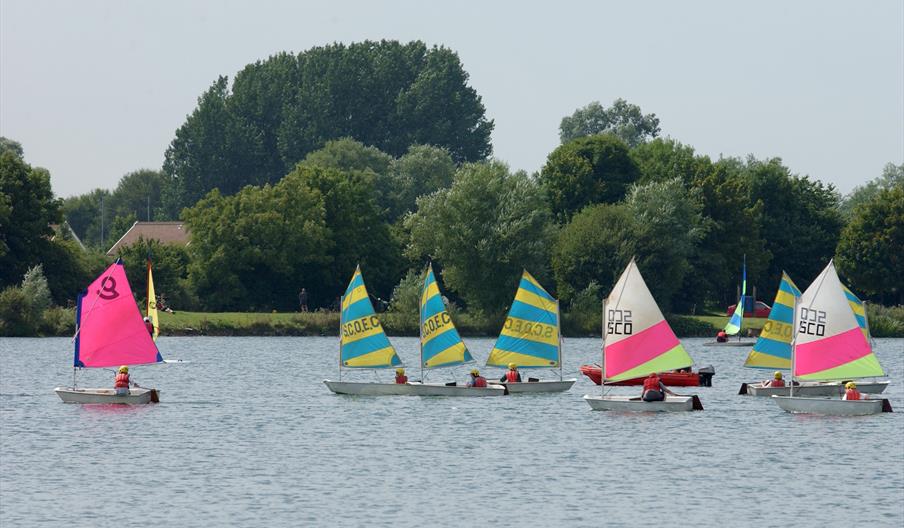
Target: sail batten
x=638, y=338
x=363, y=343
x=530, y=335
x=772, y=349
x=441, y=345
x=109, y=328
x=829, y=342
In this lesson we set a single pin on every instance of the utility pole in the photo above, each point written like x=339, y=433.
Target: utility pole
x=102, y=239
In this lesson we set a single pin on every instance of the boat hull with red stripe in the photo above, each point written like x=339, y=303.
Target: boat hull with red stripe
x=672, y=379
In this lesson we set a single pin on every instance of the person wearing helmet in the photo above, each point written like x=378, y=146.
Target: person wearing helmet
x=400, y=377
x=654, y=389
x=511, y=375
x=776, y=380
x=149, y=325
x=476, y=379
x=122, y=381
x=721, y=337
x=851, y=392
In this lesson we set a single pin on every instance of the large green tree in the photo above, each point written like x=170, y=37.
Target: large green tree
x=422, y=170
x=622, y=119
x=870, y=251
x=484, y=229
x=384, y=94
x=892, y=176
x=27, y=208
x=587, y=170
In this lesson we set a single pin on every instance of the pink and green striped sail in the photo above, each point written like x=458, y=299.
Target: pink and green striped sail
x=829, y=343
x=109, y=329
x=638, y=339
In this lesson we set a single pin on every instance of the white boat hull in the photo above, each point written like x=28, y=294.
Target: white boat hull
x=539, y=386
x=369, y=389
x=436, y=389
x=830, y=406
x=730, y=343
x=78, y=395
x=813, y=389
x=635, y=404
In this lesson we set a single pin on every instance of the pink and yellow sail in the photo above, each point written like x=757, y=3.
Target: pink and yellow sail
x=829, y=343
x=109, y=328
x=638, y=339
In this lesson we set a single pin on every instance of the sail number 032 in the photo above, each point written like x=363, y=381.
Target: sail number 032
x=812, y=322
x=618, y=322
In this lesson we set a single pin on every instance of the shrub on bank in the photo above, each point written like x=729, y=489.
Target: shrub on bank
x=886, y=321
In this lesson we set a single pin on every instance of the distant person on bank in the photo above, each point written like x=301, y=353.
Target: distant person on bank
x=303, y=300
x=654, y=389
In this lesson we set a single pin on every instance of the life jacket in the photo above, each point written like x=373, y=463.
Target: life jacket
x=777, y=383
x=401, y=379
x=852, y=394
x=512, y=376
x=651, y=383
x=480, y=381
x=122, y=380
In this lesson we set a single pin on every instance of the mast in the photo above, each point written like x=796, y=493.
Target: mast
x=603, y=363
x=869, y=335
x=559, y=332
x=420, y=322
x=341, y=302
x=793, y=343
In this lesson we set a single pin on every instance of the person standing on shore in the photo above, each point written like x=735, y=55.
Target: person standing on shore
x=303, y=300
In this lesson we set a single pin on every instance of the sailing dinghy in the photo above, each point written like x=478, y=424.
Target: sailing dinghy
x=772, y=350
x=109, y=332
x=363, y=344
x=441, y=346
x=829, y=345
x=531, y=338
x=736, y=321
x=637, y=340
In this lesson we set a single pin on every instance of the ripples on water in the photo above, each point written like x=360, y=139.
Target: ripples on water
x=247, y=435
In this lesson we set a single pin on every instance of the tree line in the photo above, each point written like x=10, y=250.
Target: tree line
x=378, y=154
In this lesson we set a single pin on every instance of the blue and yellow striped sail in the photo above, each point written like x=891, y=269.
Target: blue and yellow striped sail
x=530, y=335
x=441, y=346
x=859, y=310
x=737, y=318
x=363, y=344
x=773, y=348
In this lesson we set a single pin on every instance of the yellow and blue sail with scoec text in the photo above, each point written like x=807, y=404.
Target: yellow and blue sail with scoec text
x=363, y=344
x=441, y=346
x=530, y=334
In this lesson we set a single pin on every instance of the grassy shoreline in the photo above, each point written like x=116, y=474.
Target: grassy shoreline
x=884, y=322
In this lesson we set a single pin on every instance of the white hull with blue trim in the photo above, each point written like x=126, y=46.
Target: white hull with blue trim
x=357, y=388
x=635, y=404
x=78, y=395
x=830, y=406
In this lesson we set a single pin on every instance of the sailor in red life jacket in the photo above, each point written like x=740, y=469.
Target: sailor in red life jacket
x=721, y=337
x=149, y=325
x=654, y=389
x=122, y=381
x=400, y=377
x=476, y=379
x=511, y=375
x=776, y=381
x=851, y=392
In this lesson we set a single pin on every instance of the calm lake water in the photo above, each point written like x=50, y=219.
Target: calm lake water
x=247, y=435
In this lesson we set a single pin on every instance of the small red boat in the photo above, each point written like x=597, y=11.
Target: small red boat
x=701, y=378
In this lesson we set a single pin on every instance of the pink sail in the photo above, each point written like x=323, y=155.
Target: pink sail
x=109, y=328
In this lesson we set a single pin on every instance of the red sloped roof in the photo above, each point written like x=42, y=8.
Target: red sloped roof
x=164, y=232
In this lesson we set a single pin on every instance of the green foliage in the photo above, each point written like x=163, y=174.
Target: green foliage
x=253, y=250
x=593, y=249
x=667, y=159
x=684, y=326
x=587, y=170
x=622, y=119
x=484, y=229
x=383, y=94
x=892, y=176
x=869, y=253
x=584, y=314
x=421, y=171
x=28, y=208
x=799, y=219
x=34, y=286
x=170, y=268
x=407, y=294
x=9, y=145
x=885, y=321
x=15, y=314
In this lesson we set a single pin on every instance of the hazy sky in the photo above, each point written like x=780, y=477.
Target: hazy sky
x=96, y=89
